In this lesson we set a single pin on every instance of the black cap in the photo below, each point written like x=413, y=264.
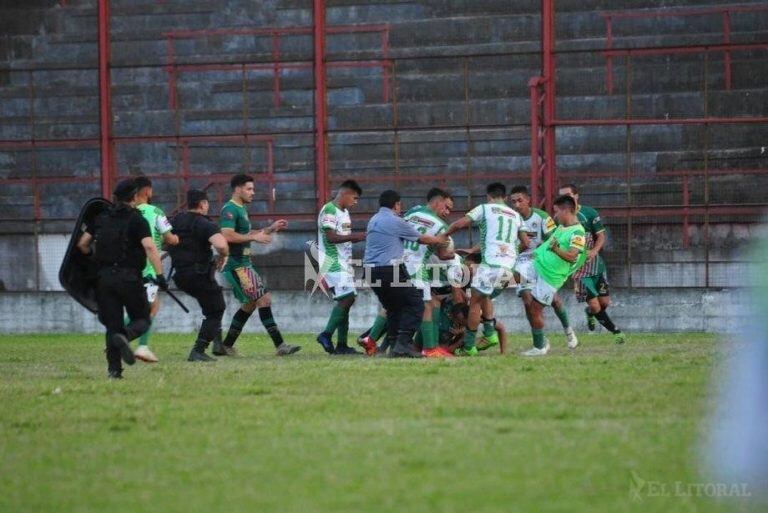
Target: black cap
x=194, y=197
x=125, y=190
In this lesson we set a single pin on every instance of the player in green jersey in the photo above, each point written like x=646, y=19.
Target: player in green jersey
x=160, y=229
x=591, y=281
x=335, y=238
x=552, y=263
x=539, y=226
x=428, y=219
x=247, y=284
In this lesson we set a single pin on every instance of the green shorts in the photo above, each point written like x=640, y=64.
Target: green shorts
x=594, y=286
x=247, y=284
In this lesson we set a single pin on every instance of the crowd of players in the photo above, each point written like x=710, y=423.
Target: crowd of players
x=434, y=297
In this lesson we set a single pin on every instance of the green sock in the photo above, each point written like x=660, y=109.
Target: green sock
x=538, y=338
x=144, y=339
x=469, y=338
x=337, y=316
x=488, y=328
x=377, y=330
x=428, y=334
x=562, y=314
x=341, y=335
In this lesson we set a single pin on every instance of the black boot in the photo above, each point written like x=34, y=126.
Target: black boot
x=198, y=352
x=403, y=347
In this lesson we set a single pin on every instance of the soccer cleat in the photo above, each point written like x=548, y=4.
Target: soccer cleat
x=368, y=344
x=218, y=348
x=436, y=352
x=488, y=342
x=463, y=351
x=120, y=341
x=344, y=350
x=286, y=349
x=324, y=339
x=535, y=351
x=115, y=374
x=145, y=354
x=619, y=337
x=197, y=356
x=591, y=321
x=570, y=336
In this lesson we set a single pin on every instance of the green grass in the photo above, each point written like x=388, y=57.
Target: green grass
x=313, y=433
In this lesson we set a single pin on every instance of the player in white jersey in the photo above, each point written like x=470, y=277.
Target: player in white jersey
x=428, y=220
x=538, y=225
x=500, y=230
x=335, y=238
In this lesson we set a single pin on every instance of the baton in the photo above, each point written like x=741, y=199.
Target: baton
x=178, y=301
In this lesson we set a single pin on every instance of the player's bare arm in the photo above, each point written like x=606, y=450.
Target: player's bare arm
x=460, y=224
x=598, y=246
x=152, y=254
x=170, y=239
x=219, y=243
x=571, y=255
x=337, y=238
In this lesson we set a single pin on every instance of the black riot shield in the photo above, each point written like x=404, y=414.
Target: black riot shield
x=78, y=272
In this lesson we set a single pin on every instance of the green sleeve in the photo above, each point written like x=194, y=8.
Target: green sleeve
x=596, y=222
x=228, y=217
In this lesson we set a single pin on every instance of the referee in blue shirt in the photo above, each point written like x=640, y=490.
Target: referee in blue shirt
x=387, y=232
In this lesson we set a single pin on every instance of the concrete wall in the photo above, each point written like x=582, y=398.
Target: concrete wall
x=638, y=310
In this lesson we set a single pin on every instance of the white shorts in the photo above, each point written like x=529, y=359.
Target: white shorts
x=341, y=284
x=530, y=280
x=487, y=279
x=425, y=287
x=151, y=290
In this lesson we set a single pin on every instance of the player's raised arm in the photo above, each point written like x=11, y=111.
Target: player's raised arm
x=460, y=224
x=337, y=238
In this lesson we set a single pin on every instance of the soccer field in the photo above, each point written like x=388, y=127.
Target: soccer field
x=315, y=433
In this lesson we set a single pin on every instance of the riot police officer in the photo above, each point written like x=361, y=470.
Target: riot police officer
x=122, y=243
x=195, y=268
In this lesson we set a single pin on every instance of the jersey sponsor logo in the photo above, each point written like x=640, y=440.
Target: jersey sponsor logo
x=328, y=219
x=578, y=241
x=422, y=221
x=550, y=224
x=500, y=210
x=229, y=215
x=346, y=226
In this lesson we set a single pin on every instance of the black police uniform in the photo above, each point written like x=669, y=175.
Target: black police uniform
x=194, y=273
x=120, y=256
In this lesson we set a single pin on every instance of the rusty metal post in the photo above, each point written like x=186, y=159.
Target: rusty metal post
x=321, y=133
x=548, y=72
x=105, y=104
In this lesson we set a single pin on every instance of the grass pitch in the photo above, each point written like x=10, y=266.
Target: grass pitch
x=314, y=433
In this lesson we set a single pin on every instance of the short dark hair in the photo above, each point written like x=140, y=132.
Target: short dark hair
x=573, y=188
x=460, y=308
x=519, y=189
x=195, y=197
x=352, y=186
x=141, y=182
x=496, y=190
x=475, y=258
x=388, y=198
x=435, y=192
x=566, y=201
x=239, y=180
